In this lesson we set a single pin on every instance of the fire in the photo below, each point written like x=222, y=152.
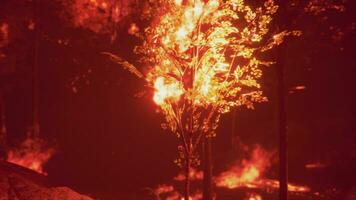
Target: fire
x=204, y=59
x=133, y=29
x=244, y=174
x=168, y=192
x=253, y=196
x=31, y=154
x=166, y=91
x=99, y=16
x=193, y=175
x=250, y=174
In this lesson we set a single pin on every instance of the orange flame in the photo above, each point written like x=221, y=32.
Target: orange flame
x=253, y=196
x=168, y=192
x=31, y=155
x=246, y=172
x=249, y=173
x=166, y=91
x=193, y=175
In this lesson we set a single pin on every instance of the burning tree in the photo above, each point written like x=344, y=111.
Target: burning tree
x=204, y=60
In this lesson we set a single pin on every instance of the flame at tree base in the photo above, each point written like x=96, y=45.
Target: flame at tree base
x=246, y=174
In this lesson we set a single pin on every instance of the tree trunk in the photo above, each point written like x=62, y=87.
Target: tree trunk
x=233, y=130
x=3, y=134
x=35, y=129
x=187, y=179
x=207, y=188
x=282, y=129
x=283, y=22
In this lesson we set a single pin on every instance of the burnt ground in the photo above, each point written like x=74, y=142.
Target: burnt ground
x=18, y=183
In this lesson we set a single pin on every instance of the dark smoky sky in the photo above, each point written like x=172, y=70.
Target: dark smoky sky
x=109, y=141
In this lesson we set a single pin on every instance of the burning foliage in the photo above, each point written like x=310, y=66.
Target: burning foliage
x=32, y=154
x=317, y=7
x=99, y=16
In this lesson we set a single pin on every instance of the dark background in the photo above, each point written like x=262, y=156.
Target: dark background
x=110, y=142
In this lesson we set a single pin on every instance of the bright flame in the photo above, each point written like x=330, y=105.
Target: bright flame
x=31, y=154
x=178, y=2
x=253, y=196
x=168, y=192
x=246, y=172
x=205, y=60
x=166, y=91
x=249, y=173
x=208, y=55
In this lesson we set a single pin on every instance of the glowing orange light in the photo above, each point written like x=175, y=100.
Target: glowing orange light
x=165, y=91
x=246, y=172
x=254, y=196
x=178, y=2
x=204, y=61
x=31, y=155
x=249, y=173
x=133, y=29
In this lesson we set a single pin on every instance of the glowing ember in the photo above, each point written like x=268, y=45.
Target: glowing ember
x=269, y=183
x=317, y=7
x=253, y=196
x=99, y=16
x=133, y=29
x=316, y=165
x=297, y=88
x=168, y=192
x=4, y=34
x=193, y=175
x=31, y=154
x=164, y=189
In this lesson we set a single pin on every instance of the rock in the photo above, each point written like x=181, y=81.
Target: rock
x=18, y=183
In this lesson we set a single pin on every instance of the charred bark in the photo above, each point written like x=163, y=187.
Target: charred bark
x=187, y=178
x=35, y=127
x=283, y=22
x=282, y=129
x=3, y=132
x=207, y=182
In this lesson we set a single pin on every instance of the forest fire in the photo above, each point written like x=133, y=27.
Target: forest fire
x=203, y=66
x=31, y=154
